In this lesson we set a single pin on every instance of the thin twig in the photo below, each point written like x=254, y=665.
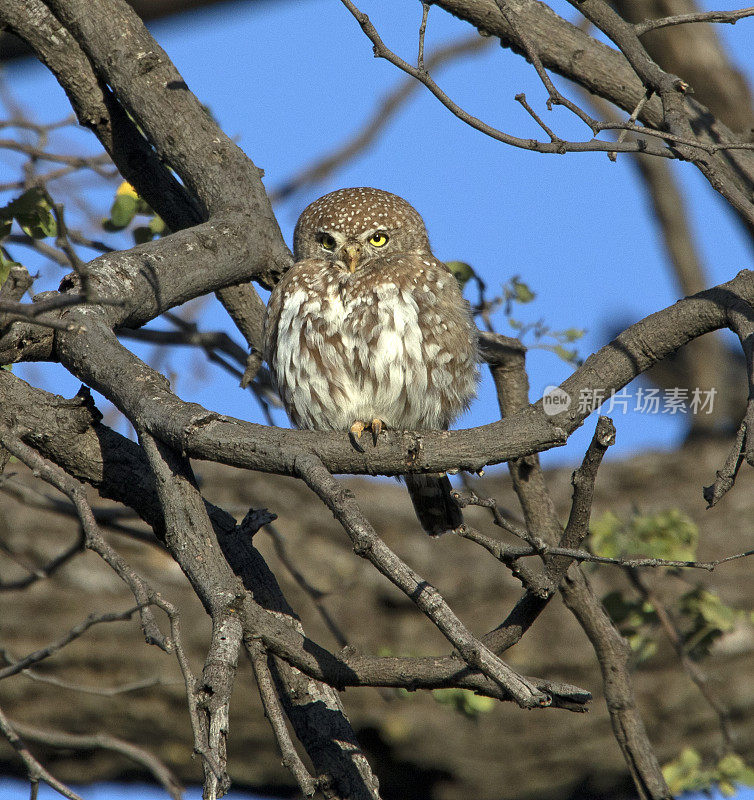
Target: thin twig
x=693, y=670
x=422, y=32
x=510, y=553
x=554, y=96
x=67, y=638
x=276, y=716
x=315, y=595
x=382, y=51
x=102, y=741
x=561, y=146
x=631, y=120
x=730, y=17
x=34, y=770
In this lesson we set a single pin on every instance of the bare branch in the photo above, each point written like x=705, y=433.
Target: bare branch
x=730, y=17
x=609, y=646
x=741, y=321
x=274, y=713
x=102, y=741
x=559, y=146
x=554, y=96
x=368, y=545
x=73, y=633
x=51, y=473
x=613, y=654
x=35, y=771
x=572, y=53
x=510, y=553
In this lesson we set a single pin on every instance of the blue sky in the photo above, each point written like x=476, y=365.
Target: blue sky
x=19, y=790
x=291, y=80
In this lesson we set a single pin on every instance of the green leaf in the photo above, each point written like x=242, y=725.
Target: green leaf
x=5, y=266
x=462, y=271
x=33, y=213
x=464, y=701
x=123, y=211
x=569, y=356
x=573, y=334
x=157, y=225
x=522, y=293
x=145, y=233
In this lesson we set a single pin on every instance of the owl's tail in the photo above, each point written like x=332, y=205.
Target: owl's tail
x=438, y=513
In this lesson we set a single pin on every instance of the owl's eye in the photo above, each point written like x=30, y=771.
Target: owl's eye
x=326, y=241
x=378, y=239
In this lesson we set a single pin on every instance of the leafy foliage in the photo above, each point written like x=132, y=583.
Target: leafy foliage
x=636, y=620
x=126, y=206
x=33, y=212
x=464, y=701
x=706, y=618
x=687, y=773
x=668, y=534
x=700, y=615
x=516, y=291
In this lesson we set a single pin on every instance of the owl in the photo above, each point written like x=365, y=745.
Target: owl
x=368, y=331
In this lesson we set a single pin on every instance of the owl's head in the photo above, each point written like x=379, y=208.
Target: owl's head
x=351, y=227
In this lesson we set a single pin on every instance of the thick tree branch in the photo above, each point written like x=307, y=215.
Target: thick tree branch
x=117, y=467
x=97, y=109
x=109, y=368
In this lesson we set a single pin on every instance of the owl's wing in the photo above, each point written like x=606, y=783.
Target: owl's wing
x=272, y=319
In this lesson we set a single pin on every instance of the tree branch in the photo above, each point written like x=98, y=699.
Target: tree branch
x=731, y=17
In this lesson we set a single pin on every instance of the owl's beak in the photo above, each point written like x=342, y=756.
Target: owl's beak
x=351, y=256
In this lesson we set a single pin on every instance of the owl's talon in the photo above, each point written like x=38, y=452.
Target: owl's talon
x=377, y=426
x=355, y=432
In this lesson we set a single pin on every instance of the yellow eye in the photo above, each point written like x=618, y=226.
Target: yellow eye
x=326, y=241
x=378, y=239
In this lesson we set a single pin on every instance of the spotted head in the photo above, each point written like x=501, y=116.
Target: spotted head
x=352, y=227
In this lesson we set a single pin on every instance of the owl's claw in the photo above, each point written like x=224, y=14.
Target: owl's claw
x=358, y=427
x=376, y=425
x=355, y=432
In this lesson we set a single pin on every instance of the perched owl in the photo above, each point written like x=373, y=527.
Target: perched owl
x=368, y=330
